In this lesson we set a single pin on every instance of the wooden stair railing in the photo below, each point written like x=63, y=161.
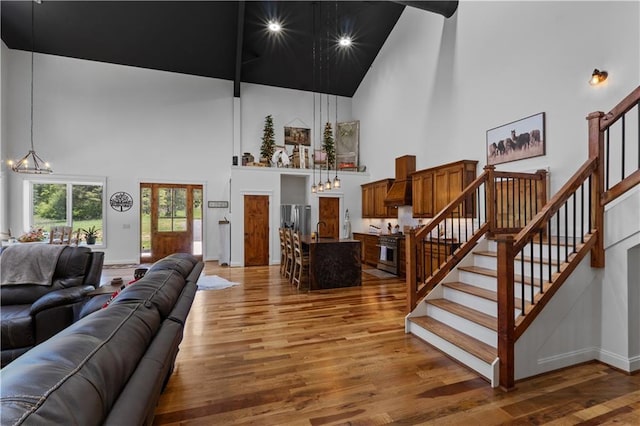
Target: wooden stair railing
x=576, y=219
x=515, y=198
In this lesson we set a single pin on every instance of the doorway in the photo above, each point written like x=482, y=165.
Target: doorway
x=329, y=213
x=256, y=230
x=170, y=220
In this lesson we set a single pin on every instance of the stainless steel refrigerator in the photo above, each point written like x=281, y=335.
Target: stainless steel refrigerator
x=297, y=217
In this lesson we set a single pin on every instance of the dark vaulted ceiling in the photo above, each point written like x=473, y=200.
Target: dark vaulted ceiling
x=219, y=39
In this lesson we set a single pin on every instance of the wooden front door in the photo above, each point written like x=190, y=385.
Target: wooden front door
x=256, y=230
x=170, y=220
x=329, y=213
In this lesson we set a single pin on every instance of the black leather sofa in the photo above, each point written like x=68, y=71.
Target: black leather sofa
x=111, y=365
x=32, y=313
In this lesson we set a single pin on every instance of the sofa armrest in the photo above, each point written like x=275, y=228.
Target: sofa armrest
x=95, y=270
x=60, y=297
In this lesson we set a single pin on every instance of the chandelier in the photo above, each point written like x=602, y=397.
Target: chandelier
x=31, y=163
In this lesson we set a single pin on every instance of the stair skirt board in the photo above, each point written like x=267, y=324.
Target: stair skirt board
x=490, y=372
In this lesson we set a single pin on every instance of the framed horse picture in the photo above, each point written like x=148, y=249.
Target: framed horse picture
x=524, y=138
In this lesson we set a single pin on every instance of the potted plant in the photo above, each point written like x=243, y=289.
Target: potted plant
x=90, y=234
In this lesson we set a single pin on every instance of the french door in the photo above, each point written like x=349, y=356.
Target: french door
x=170, y=220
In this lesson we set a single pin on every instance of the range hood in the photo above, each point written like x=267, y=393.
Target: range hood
x=400, y=193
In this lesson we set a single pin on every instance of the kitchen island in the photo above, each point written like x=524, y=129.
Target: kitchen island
x=333, y=263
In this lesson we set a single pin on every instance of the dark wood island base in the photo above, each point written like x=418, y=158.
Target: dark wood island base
x=333, y=263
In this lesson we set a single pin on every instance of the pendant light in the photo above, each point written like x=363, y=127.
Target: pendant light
x=336, y=180
x=31, y=163
x=313, y=88
x=327, y=185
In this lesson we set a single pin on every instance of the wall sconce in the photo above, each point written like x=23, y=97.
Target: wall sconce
x=598, y=77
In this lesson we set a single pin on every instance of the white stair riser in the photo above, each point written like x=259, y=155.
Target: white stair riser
x=481, y=304
x=452, y=350
x=490, y=283
x=491, y=262
x=478, y=280
x=463, y=325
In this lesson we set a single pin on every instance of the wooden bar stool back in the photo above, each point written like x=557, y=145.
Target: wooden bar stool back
x=283, y=252
x=301, y=260
x=288, y=238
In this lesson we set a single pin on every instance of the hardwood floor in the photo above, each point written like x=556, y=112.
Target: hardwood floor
x=264, y=353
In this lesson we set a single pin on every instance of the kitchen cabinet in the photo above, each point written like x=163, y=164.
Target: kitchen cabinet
x=436, y=252
x=370, y=250
x=436, y=187
x=373, y=195
x=422, y=188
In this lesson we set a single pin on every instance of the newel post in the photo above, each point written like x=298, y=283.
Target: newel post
x=506, y=309
x=596, y=150
x=411, y=262
x=490, y=199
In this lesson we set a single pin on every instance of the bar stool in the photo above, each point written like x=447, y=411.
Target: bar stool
x=301, y=260
x=283, y=252
x=288, y=239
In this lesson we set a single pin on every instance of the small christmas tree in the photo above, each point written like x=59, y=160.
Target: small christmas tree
x=268, y=146
x=328, y=145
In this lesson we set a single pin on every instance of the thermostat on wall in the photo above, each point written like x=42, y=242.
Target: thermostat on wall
x=218, y=204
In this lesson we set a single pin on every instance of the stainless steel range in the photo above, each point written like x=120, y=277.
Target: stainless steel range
x=389, y=254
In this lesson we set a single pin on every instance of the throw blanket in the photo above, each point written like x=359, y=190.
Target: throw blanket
x=29, y=263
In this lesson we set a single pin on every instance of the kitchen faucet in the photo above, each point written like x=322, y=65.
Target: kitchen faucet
x=318, y=228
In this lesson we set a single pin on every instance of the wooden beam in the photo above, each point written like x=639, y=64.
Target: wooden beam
x=239, y=43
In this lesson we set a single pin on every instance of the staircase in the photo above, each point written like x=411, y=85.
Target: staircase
x=481, y=300
x=460, y=315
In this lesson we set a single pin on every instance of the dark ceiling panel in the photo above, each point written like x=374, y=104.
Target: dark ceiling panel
x=199, y=38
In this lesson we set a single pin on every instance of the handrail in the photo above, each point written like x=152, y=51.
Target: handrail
x=621, y=109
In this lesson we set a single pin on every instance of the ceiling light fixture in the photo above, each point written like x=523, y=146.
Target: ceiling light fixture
x=274, y=26
x=598, y=77
x=31, y=163
x=345, y=41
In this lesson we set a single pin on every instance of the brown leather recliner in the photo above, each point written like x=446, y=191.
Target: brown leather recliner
x=31, y=313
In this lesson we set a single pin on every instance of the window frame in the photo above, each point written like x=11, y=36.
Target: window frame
x=69, y=181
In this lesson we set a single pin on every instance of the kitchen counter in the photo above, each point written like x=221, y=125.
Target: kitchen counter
x=333, y=263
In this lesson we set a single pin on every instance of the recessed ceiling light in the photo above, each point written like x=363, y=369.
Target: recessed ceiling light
x=345, y=41
x=274, y=26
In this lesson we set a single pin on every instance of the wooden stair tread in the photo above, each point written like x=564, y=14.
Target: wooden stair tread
x=465, y=312
x=482, y=292
x=472, y=289
x=465, y=342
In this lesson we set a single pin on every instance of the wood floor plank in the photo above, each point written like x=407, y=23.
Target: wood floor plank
x=265, y=353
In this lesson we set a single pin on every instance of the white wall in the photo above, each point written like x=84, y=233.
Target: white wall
x=127, y=124
x=267, y=182
x=132, y=125
x=439, y=84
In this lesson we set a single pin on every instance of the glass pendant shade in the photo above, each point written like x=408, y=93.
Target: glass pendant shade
x=336, y=182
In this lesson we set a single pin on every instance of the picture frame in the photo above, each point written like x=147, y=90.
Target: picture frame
x=297, y=136
x=517, y=140
x=347, y=145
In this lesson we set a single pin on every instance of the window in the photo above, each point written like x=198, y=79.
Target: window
x=76, y=204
